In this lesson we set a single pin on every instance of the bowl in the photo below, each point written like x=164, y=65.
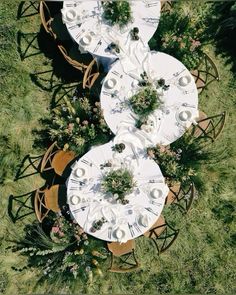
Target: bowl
x=111, y=83
x=156, y=193
x=185, y=115
x=79, y=172
x=119, y=233
x=74, y=200
x=184, y=81
x=143, y=220
x=86, y=40
x=71, y=15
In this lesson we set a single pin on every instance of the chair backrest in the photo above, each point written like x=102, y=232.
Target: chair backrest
x=173, y=193
x=46, y=17
x=123, y=257
x=182, y=196
x=46, y=163
x=162, y=234
x=166, y=6
x=46, y=200
x=209, y=127
x=205, y=73
x=27, y=8
x=76, y=64
x=91, y=74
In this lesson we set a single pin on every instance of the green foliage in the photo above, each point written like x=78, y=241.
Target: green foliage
x=77, y=123
x=67, y=252
x=119, y=183
x=144, y=102
x=183, y=160
x=181, y=35
x=117, y=12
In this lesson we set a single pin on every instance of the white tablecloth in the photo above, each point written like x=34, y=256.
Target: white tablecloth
x=88, y=202
x=88, y=21
x=164, y=125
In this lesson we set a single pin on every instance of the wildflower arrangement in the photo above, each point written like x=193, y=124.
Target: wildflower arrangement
x=119, y=183
x=66, y=253
x=180, y=162
x=117, y=12
x=77, y=123
x=119, y=147
x=145, y=101
x=181, y=36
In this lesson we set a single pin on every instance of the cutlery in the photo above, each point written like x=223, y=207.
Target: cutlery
x=106, y=93
x=131, y=229
x=75, y=181
x=79, y=209
x=87, y=162
x=178, y=73
x=188, y=105
x=117, y=74
x=98, y=44
x=152, y=4
x=73, y=188
x=73, y=27
x=155, y=181
x=155, y=203
x=136, y=226
x=109, y=232
x=150, y=210
x=79, y=34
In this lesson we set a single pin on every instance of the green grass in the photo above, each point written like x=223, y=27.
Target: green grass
x=201, y=260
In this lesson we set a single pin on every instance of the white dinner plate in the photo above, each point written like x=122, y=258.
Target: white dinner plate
x=75, y=200
x=119, y=233
x=79, y=172
x=156, y=193
x=111, y=83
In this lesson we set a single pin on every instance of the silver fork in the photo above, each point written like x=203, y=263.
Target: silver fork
x=109, y=232
x=136, y=226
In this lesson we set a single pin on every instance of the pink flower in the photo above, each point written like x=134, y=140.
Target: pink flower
x=55, y=229
x=85, y=122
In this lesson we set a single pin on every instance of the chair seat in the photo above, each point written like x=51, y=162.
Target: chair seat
x=171, y=197
x=61, y=160
x=118, y=249
x=51, y=198
x=159, y=228
x=203, y=125
x=199, y=82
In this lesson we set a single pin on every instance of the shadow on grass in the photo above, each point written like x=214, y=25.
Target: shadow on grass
x=223, y=31
x=27, y=9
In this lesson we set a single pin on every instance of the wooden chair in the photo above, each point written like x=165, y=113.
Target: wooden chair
x=45, y=201
x=209, y=127
x=56, y=159
x=46, y=18
x=76, y=64
x=206, y=73
x=181, y=196
x=162, y=234
x=166, y=6
x=124, y=255
x=91, y=74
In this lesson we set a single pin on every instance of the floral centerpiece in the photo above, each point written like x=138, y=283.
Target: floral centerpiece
x=145, y=102
x=117, y=12
x=119, y=183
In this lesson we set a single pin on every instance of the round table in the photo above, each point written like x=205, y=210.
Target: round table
x=165, y=124
x=89, y=203
x=84, y=19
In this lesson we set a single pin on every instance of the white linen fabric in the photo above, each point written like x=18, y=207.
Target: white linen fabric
x=89, y=203
x=167, y=123
x=84, y=21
